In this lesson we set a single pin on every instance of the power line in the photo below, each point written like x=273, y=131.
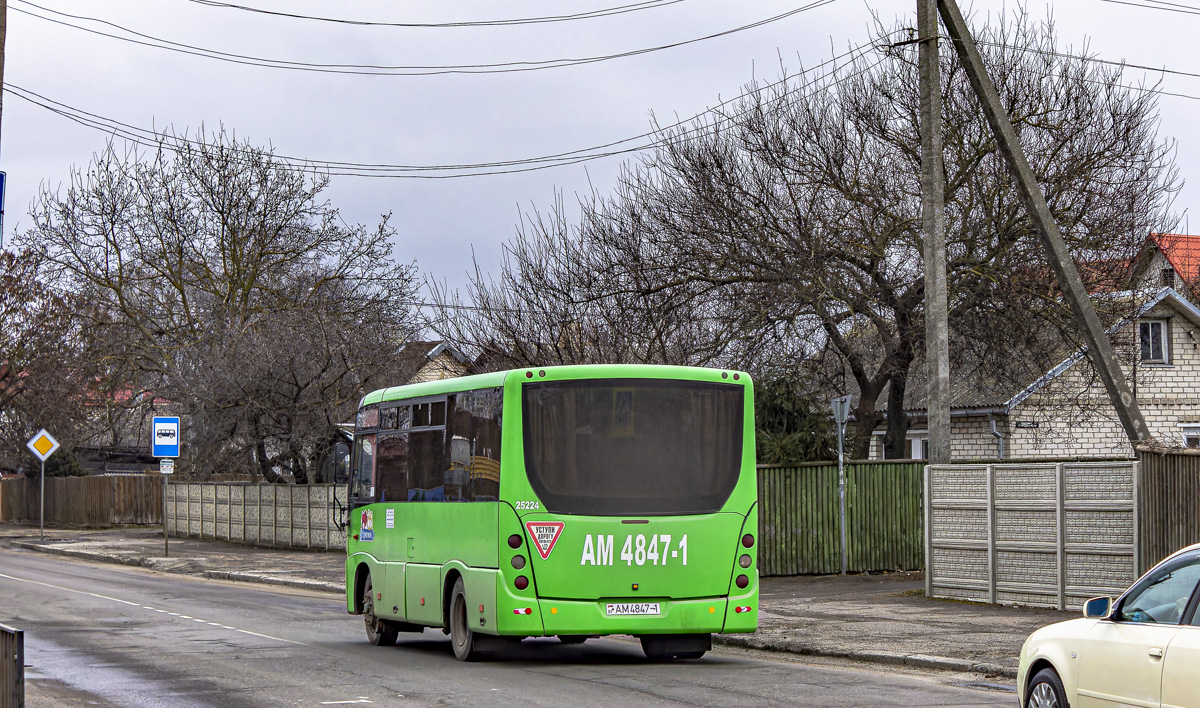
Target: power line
x=151, y=139
x=384, y=70
x=591, y=14
x=1093, y=60
x=1163, y=6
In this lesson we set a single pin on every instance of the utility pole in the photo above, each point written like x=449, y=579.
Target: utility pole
x=1099, y=349
x=3, y=35
x=933, y=227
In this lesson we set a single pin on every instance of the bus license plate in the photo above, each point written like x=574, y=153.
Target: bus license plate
x=632, y=608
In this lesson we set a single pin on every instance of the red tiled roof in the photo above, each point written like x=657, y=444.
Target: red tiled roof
x=1183, y=252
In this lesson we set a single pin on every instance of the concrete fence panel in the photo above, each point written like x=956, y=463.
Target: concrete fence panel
x=1044, y=535
x=275, y=515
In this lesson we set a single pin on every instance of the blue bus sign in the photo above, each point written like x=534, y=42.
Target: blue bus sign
x=165, y=437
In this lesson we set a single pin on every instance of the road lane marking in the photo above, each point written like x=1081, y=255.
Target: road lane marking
x=145, y=607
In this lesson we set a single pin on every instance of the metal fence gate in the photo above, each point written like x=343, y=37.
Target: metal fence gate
x=1046, y=535
x=291, y=515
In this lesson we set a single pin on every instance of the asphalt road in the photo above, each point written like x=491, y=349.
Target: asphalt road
x=101, y=635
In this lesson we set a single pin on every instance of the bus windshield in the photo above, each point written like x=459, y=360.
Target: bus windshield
x=617, y=447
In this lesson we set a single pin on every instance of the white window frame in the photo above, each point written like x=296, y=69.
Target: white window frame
x=1164, y=341
x=1190, y=434
x=919, y=439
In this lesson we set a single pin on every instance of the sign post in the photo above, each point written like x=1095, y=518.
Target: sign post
x=42, y=446
x=164, y=443
x=841, y=412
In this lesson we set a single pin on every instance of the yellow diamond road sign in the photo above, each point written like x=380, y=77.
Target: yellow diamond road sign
x=43, y=444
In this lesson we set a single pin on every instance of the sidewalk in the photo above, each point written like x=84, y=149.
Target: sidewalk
x=882, y=618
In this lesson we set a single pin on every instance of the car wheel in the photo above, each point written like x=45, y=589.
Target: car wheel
x=1046, y=691
x=380, y=632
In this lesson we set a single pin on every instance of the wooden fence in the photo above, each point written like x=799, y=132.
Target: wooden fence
x=798, y=518
x=85, y=501
x=1169, y=496
x=12, y=667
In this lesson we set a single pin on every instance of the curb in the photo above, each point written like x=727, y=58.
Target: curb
x=923, y=661
x=314, y=585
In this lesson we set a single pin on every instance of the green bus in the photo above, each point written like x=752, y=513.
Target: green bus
x=569, y=501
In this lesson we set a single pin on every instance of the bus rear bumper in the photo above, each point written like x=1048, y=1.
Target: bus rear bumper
x=694, y=616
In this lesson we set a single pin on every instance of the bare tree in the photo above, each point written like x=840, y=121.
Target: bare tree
x=44, y=378
x=793, y=217
x=225, y=287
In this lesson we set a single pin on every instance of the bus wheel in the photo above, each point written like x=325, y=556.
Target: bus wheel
x=467, y=644
x=572, y=638
x=380, y=632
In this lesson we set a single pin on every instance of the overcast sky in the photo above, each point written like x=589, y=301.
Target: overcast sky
x=467, y=119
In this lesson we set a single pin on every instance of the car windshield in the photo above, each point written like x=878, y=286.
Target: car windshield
x=632, y=446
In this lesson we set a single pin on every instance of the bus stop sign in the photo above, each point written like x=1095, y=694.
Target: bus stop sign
x=165, y=437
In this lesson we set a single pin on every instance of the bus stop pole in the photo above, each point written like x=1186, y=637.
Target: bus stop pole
x=166, y=548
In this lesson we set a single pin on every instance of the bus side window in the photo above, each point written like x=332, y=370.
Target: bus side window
x=473, y=441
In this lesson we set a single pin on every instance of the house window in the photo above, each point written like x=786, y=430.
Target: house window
x=1191, y=435
x=1152, y=334
x=1168, y=277
x=916, y=447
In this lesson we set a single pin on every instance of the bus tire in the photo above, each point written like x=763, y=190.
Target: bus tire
x=467, y=644
x=380, y=632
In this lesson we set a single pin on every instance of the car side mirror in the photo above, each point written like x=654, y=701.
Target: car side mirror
x=1097, y=607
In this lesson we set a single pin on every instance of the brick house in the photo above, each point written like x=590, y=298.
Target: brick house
x=1065, y=411
x=431, y=361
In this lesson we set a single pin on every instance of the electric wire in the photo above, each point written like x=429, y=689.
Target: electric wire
x=1163, y=6
x=384, y=70
x=591, y=14
x=148, y=138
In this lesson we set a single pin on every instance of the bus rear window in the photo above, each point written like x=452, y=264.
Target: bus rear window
x=618, y=447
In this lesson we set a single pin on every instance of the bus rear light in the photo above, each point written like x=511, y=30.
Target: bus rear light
x=518, y=562
x=745, y=560
x=740, y=610
x=742, y=581
x=736, y=377
x=522, y=582
x=514, y=541
x=523, y=611
x=748, y=541
x=529, y=374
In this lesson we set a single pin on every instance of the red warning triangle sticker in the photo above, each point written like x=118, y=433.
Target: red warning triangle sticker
x=544, y=535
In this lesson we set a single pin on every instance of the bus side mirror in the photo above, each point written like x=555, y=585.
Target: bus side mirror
x=1097, y=607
